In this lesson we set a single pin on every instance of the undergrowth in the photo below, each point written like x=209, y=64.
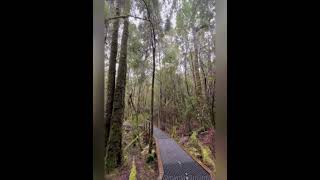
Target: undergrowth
x=133, y=172
x=200, y=151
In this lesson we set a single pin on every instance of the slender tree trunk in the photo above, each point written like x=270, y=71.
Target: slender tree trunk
x=160, y=94
x=142, y=98
x=200, y=104
x=196, y=68
x=136, y=114
x=185, y=75
x=152, y=92
x=139, y=98
x=140, y=84
x=185, y=67
x=206, y=115
x=153, y=42
x=204, y=79
x=189, y=95
x=114, y=158
x=111, y=9
x=211, y=85
x=213, y=97
x=147, y=92
x=111, y=75
x=213, y=105
x=165, y=115
x=192, y=70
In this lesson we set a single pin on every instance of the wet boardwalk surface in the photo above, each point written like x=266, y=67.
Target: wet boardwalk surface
x=177, y=164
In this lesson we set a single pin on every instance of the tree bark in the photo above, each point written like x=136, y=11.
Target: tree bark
x=114, y=156
x=153, y=42
x=152, y=93
x=160, y=94
x=139, y=98
x=185, y=69
x=187, y=87
x=192, y=71
x=196, y=68
x=204, y=79
x=111, y=75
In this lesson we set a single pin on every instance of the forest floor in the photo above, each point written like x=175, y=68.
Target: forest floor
x=145, y=171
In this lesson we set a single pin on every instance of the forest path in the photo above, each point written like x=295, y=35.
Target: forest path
x=176, y=163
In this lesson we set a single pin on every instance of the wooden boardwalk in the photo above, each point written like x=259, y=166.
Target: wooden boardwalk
x=174, y=162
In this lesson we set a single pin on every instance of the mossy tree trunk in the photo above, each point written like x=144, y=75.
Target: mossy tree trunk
x=111, y=74
x=114, y=149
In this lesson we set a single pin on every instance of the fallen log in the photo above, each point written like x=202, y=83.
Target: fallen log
x=135, y=139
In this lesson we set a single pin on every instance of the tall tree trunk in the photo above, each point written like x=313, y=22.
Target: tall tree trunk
x=160, y=93
x=213, y=106
x=114, y=156
x=204, y=79
x=111, y=9
x=205, y=96
x=152, y=92
x=189, y=95
x=198, y=89
x=185, y=68
x=192, y=70
x=211, y=86
x=140, y=83
x=185, y=74
x=111, y=74
x=139, y=98
x=213, y=94
x=153, y=43
x=145, y=98
x=196, y=67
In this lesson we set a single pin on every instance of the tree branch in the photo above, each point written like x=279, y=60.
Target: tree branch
x=202, y=27
x=149, y=17
x=126, y=16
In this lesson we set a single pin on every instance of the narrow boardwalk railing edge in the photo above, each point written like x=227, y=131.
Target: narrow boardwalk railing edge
x=160, y=165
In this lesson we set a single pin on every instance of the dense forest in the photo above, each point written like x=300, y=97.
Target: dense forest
x=159, y=72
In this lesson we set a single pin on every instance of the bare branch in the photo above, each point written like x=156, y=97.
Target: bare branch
x=140, y=18
x=147, y=8
x=126, y=16
x=202, y=27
